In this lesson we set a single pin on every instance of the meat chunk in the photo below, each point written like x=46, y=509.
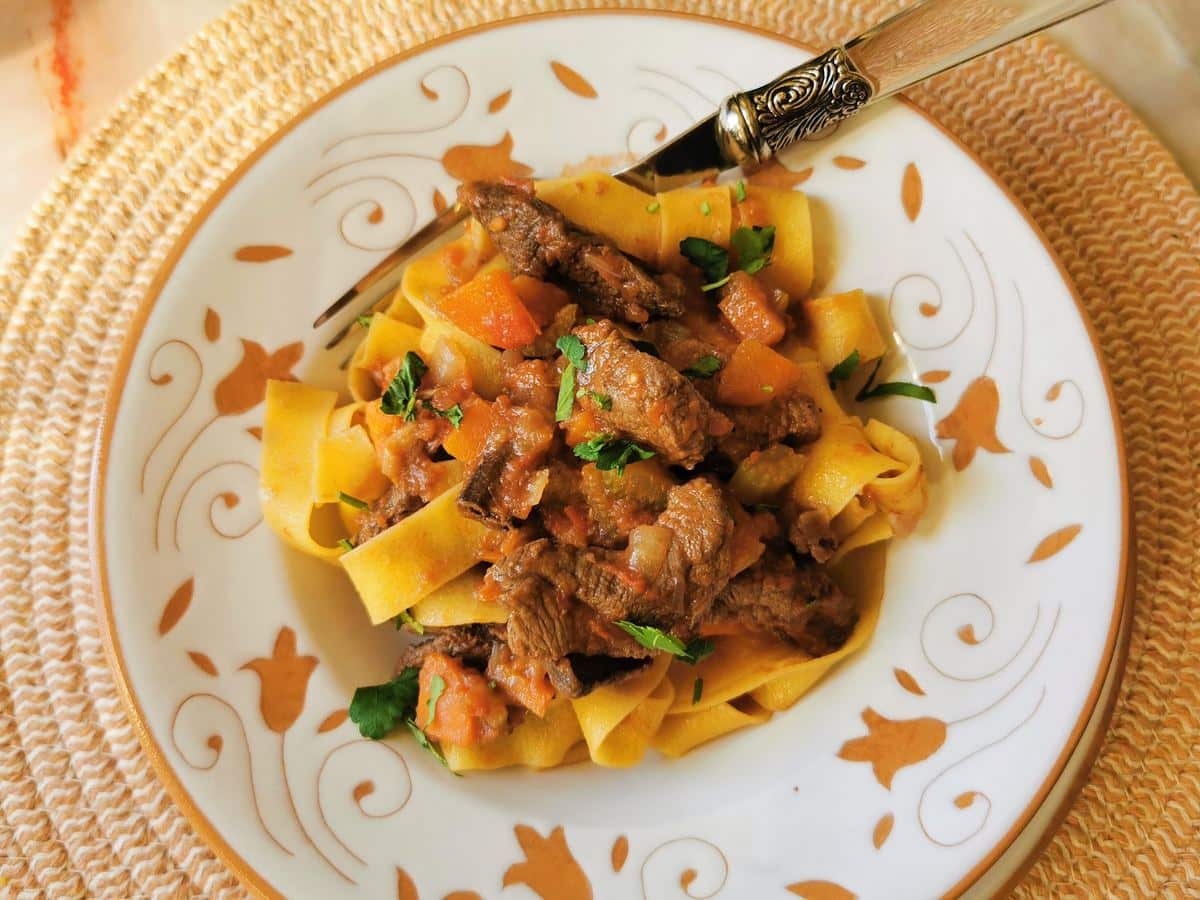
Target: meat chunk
x=794, y=601
x=398, y=502
x=809, y=533
x=506, y=480
x=472, y=643
x=793, y=418
x=651, y=402
x=530, y=382
x=537, y=240
x=750, y=310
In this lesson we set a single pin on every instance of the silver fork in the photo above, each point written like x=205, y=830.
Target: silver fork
x=748, y=128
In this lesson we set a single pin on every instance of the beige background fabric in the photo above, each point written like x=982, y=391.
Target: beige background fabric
x=81, y=813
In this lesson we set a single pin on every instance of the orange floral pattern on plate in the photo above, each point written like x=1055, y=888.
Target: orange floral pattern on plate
x=892, y=744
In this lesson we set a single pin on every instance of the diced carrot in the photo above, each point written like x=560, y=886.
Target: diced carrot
x=542, y=299
x=466, y=442
x=747, y=307
x=522, y=678
x=467, y=712
x=582, y=426
x=488, y=308
x=754, y=375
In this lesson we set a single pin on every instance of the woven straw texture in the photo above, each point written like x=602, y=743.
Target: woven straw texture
x=81, y=813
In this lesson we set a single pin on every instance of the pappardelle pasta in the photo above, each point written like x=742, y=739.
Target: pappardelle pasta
x=595, y=461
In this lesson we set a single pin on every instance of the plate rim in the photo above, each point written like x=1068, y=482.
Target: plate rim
x=1116, y=641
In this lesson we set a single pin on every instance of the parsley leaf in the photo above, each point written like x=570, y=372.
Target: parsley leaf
x=572, y=348
x=404, y=617
x=705, y=208
x=697, y=688
x=566, y=394
x=843, y=370
x=351, y=500
x=601, y=400
x=646, y=347
x=656, y=639
x=400, y=398
x=705, y=367
x=713, y=285
x=377, y=709
x=608, y=452
x=428, y=745
x=753, y=246
x=437, y=686
x=454, y=413
x=739, y=191
x=872, y=391
x=345, y=544
x=653, y=207
x=900, y=389
x=364, y=321
x=712, y=260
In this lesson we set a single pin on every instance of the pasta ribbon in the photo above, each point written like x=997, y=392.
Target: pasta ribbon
x=611, y=208
x=347, y=464
x=619, y=720
x=414, y=557
x=457, y=603
x=791, y=268
x=837, y=467
x=841, y=324
x=704, y=212
x=294, y=422
x=902, y=494
x=539, y=743
x=686, y=731
x=387, y=340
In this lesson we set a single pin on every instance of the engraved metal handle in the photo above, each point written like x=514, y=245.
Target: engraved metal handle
x=928, y=37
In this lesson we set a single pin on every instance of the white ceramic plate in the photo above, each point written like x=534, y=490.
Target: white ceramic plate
x=906, y=773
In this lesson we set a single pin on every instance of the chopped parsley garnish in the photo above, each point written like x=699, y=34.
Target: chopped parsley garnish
x=656, y=639
x=400, y=398
x=768, y=388
x=698, y=685
x=711, y=259
x=573, y=349
x=601, y=400
x=845, y=369
x=590, y=321
x=454, y=413
x=566, y=395
x=646, y=347
x=608, y=452
x=429, y=746
x=404, y=617
x=351, y=500
x=437, y=685
x=705, y=367
x=765, y=507
x=346, y=544
x=753, y=246
x=379, y=709
x=705, y=208
x=653, y=207
x=872, y=391
x=739, y=191
x=364, y=321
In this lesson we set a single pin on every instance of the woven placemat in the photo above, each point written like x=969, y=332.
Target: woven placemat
x=81, y=814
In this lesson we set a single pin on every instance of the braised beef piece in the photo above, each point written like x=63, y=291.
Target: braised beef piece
x=537, y=240
x=652, y=403
x=470, y=643
x=809, y=533
x=504, y=482
x=793, y=418
x=796, y=601
x=385, y=512
x=531, y=383
x=563, y=599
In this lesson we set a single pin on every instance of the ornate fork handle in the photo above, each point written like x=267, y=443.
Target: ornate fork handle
x=928, y=37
